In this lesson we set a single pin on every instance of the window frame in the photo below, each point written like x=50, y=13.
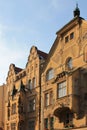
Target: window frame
x=13, y=111
x=66, y=39
x=32, y=105
x=47, y=101
x=46, y=123
x=61, y=89
x=71, y=35
x=50, y=74
x=30, y=84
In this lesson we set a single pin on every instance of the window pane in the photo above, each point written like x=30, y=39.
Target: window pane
x=34, y=82
x=14, y=108
x=46, y=99
x=72, y=35
x=46, y=123
x=32, y=105
x=62, y=89
x=30, y=84
x=66, y=39
x=69, y=63
x=50, y=74
x=51, y=122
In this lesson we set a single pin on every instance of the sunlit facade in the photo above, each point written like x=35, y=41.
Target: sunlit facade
x=50, y=93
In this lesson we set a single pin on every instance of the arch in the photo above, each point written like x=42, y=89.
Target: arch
x=68, y=63
x=50, y=74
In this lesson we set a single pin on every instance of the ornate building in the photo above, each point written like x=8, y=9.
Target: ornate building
x=51, y=92
x=23, y=93
x=64, y=78
x=2, y=106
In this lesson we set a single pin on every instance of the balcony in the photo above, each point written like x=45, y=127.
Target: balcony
x=66, y=103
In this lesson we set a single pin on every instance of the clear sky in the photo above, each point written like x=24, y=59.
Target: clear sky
x=24, y=23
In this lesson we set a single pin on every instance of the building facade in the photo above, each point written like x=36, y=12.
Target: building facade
x=23, y=93
x=2, y=106
x=51, y=92
x=64, y=78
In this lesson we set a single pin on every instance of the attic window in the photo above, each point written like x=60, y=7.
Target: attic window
x=71, y=35
x=66, y=39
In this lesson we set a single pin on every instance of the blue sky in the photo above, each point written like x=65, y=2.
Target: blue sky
x=24, y=23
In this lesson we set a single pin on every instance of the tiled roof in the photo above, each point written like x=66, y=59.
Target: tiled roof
x=42, y=54
x=17, y=70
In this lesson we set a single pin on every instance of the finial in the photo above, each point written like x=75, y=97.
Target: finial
x=76, y=11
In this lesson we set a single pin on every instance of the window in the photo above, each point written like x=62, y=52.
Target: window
x=50, y=74
x=51, y=122
x=46, y=123
x=34, y=82
x=14, y=108
x=71, y=35
x=32, y=105
x=69, y=64
x=47, y=99
x=66, y=39
x=30, y=84
x=31, y=125
x=13, y=126
x=8, y=112
x=51, y=97
x=62, y=89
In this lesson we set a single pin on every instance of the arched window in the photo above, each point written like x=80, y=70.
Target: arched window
x=30, y=84
x=50, y=74
x=34, y=82
x=69, y=64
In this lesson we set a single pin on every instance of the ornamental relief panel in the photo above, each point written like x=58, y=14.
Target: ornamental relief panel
x=62, y=102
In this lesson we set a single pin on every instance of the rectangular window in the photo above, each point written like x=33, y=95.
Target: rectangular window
x=51, y=122
x=14, y=108
x=31, y=125
x=13, y=126
x=62, y=89
x=32, y=105
x=71, y=35
x=66, y=39
x=51, y=97
x=46, y=123
x=47, y=99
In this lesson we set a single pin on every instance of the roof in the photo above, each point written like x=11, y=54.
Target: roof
x=70, y=24
x=76, y=20
x=17, y=69
x=42, y=54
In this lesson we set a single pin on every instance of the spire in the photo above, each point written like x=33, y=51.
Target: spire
x=76, y=12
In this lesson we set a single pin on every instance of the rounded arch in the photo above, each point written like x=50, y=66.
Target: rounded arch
x=49, y=74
